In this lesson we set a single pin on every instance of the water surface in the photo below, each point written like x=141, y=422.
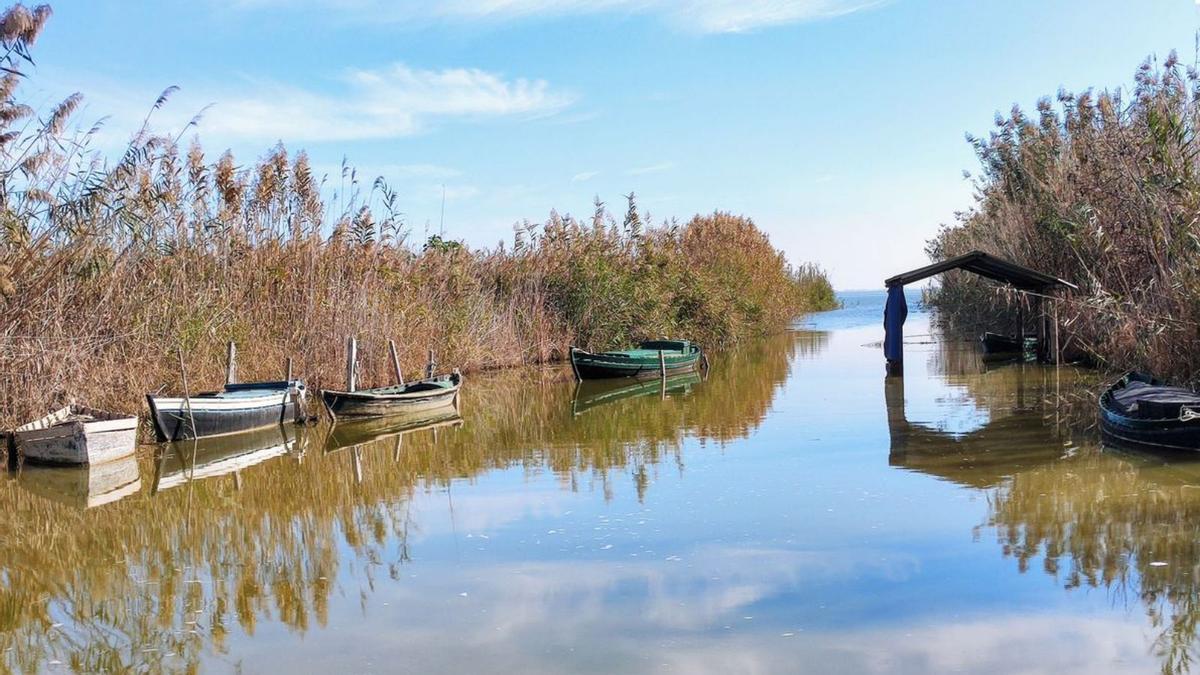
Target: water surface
x=795, y=511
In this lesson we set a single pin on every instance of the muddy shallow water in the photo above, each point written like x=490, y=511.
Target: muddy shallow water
x=794, y=511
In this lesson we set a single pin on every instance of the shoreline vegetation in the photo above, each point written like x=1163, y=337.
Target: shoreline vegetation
x=107, y=267
x=1100, y=188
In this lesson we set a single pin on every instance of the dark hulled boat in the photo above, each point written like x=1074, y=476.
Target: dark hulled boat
x=1140, y=410
x=410, y=398
x=677, y=355
x=236, y=408
x=997, y=347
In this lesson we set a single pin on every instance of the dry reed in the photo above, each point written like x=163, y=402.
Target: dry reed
x=1101, y=189
x=106, y=267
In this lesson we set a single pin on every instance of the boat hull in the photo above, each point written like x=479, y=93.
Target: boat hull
x=1170, y=433
x=216, y=416
x=370, y=403
x=76, y=443
x=590, y=366
x=998, y=347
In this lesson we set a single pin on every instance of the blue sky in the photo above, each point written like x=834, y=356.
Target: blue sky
x=836, y=124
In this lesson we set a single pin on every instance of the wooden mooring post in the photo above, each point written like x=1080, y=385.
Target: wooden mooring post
x=351, y=363
x=431, y=366
x=187, y=397
x=662, y=365
x=395, y=362
x=231, y=363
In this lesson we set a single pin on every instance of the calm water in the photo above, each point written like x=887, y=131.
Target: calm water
x=794, y=512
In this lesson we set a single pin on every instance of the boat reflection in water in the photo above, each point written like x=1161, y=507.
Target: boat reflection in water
x=1089, y=516
x=590, y=394
x=83, y=487
x=281, y=553
x=388, y=433
x=197, y=459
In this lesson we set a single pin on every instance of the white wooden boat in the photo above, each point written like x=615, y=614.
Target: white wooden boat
x=236, y=408
x=77, y=435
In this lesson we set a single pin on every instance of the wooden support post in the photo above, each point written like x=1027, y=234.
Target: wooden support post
x=351, y=363
x=431, y=366
x=231, y=363
x=1021, y=319
x=1057, y=352
x=662, y=365
x=187, y=397
x=288, y=378
x=395, y=362
x=1041, y=330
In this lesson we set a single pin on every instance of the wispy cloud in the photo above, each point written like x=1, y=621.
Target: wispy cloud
x=360, y=104
x=653, y=168
x=703, y=16
x=583, y=176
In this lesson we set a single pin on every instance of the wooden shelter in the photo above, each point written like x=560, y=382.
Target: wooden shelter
x=1038, y=285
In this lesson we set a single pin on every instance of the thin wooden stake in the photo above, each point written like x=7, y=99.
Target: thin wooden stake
x=662, y=364
x=231, y=363
x=187, y=397
x=289, y=370
x=351, y=363
x=429, y=368
x=1057, y=352
x=395, y=362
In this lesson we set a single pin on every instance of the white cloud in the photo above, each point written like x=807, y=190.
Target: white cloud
x=584, y=176
x=703, y=16
x=653, y=168
x=361, y=104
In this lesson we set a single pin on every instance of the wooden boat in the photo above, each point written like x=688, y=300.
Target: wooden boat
x=596, y=393
x=1140, y=410
x=203, y=458
x=678, y=355
x=84, y=487
x=412, y=397
x=77, y=435
x=236, y=408
x=998, y=347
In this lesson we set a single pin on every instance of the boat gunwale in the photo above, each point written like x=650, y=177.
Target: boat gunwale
x=103, y=421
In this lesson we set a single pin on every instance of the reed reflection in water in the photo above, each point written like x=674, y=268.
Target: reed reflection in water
x=795, y=507
x=1091, y=517
x=159, y=563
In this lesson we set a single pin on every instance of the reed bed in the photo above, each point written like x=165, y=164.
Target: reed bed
x=106, y=267
x=1101, y=188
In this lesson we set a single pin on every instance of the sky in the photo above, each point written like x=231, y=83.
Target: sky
x=838, y=126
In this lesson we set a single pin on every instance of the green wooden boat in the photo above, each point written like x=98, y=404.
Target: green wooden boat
x=677, y=355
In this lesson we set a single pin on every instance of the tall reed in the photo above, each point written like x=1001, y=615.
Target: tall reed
x=106, y=267
x=1101, y=188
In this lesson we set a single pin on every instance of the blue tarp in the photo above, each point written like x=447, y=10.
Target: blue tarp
x=894, y=314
